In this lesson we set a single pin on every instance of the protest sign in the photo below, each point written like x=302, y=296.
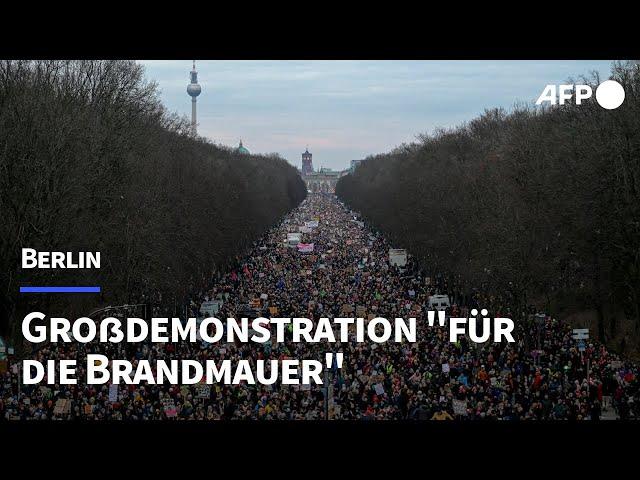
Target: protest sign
x=398, y=257
x=169, y=407
x=305, y=247
x=460, y=407
x=62, y=407
x=113, y=392
x=210, y=308
x=346, y=308
x=204, y=391
x=294, y=238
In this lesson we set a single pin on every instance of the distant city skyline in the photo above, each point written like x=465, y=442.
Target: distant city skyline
x=346, y=110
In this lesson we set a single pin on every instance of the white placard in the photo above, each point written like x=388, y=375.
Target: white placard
x=113, y=392
x=397, y=256
x=460, y=407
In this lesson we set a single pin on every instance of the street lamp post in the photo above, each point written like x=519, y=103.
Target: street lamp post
x=540, y=318
x=582, y=334
x=326, y=393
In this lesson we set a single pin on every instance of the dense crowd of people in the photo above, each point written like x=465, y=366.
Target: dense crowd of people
x=347, y=274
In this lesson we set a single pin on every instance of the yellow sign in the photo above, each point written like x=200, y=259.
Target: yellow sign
x=346, y=308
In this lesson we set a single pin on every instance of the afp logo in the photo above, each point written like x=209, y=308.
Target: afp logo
x=609, y=94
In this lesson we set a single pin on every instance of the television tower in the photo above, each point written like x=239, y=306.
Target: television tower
x=193, y=89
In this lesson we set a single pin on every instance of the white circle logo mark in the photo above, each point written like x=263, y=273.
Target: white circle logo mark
x=610, y=94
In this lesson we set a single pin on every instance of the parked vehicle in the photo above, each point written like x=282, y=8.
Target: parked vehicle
x=439, y=302
x=293, y=239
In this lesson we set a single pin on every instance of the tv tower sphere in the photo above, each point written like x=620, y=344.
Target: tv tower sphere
x=194, y=89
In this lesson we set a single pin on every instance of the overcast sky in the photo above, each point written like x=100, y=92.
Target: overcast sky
x=344, y=110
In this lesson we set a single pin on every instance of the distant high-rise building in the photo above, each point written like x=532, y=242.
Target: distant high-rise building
x=193, y=89
x=307, y=163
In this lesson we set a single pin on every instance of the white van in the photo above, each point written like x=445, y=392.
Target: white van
x=294, y=239
x=438, y=302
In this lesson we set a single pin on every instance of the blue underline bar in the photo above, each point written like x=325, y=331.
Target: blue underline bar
x=59, y=289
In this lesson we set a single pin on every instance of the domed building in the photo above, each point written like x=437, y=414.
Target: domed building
x=242, y=150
